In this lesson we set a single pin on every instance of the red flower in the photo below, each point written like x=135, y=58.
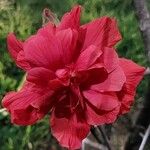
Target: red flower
x=74, y=72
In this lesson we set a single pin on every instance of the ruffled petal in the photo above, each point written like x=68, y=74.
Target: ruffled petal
x=114, y=81
x=68, y=39
x=103, y=101
x=71, y=19
x=15, y=48
x=22, y=62
x=87, y=58
x=69, y=132
x=101, y=107
x=40, y=76
x=47, y=30
x=134, y=74
x=44, y=52
x=99, y=117
x=14, y=45
x=101, y=32
x=44, y=78
x=110, y=59
x=99, y=67
x=28, y=105
x=93, y=75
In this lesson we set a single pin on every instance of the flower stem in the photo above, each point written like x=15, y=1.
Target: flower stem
x=102, y=130
x=95, y=134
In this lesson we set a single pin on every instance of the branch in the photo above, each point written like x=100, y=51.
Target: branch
x=100, y=135
x=143, y=16
x=102, y=130
x=143, y=119
x=147, y=133
x=95, y=134
x=93, y=144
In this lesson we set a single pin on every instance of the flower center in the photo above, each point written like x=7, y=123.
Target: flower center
x=72, y=79
x=69, y=76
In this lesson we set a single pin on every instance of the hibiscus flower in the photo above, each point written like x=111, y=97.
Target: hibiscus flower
x=73, y=72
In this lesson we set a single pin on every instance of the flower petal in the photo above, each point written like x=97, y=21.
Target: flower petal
x=101, y=32
x=71, y=19
x=68, y=39
x=93, y=75
x=69, y=132
x=15, y=48
x=110, y=59
x=101, y=107
x=87, y=58
x=40, y=76
x=134, y=74
x=101, y=117
x=114, y=81
x=22, y=62
x=28, y=105
x=14, y=45
x=44, y=52
x=47, y=30
x=102, y=101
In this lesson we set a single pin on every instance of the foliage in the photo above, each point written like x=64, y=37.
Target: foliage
x=23, y=18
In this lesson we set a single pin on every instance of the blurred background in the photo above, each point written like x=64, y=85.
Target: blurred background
x=24, y=17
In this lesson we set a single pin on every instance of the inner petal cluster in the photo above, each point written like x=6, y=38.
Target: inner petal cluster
x=71, y=77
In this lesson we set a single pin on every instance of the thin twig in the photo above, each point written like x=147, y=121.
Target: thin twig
x=94, y=145
x=94, y=133
x=83, y=144
x=147, y=133
x=102, y=130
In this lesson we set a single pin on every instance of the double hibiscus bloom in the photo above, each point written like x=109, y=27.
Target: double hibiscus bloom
x=74, y=73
